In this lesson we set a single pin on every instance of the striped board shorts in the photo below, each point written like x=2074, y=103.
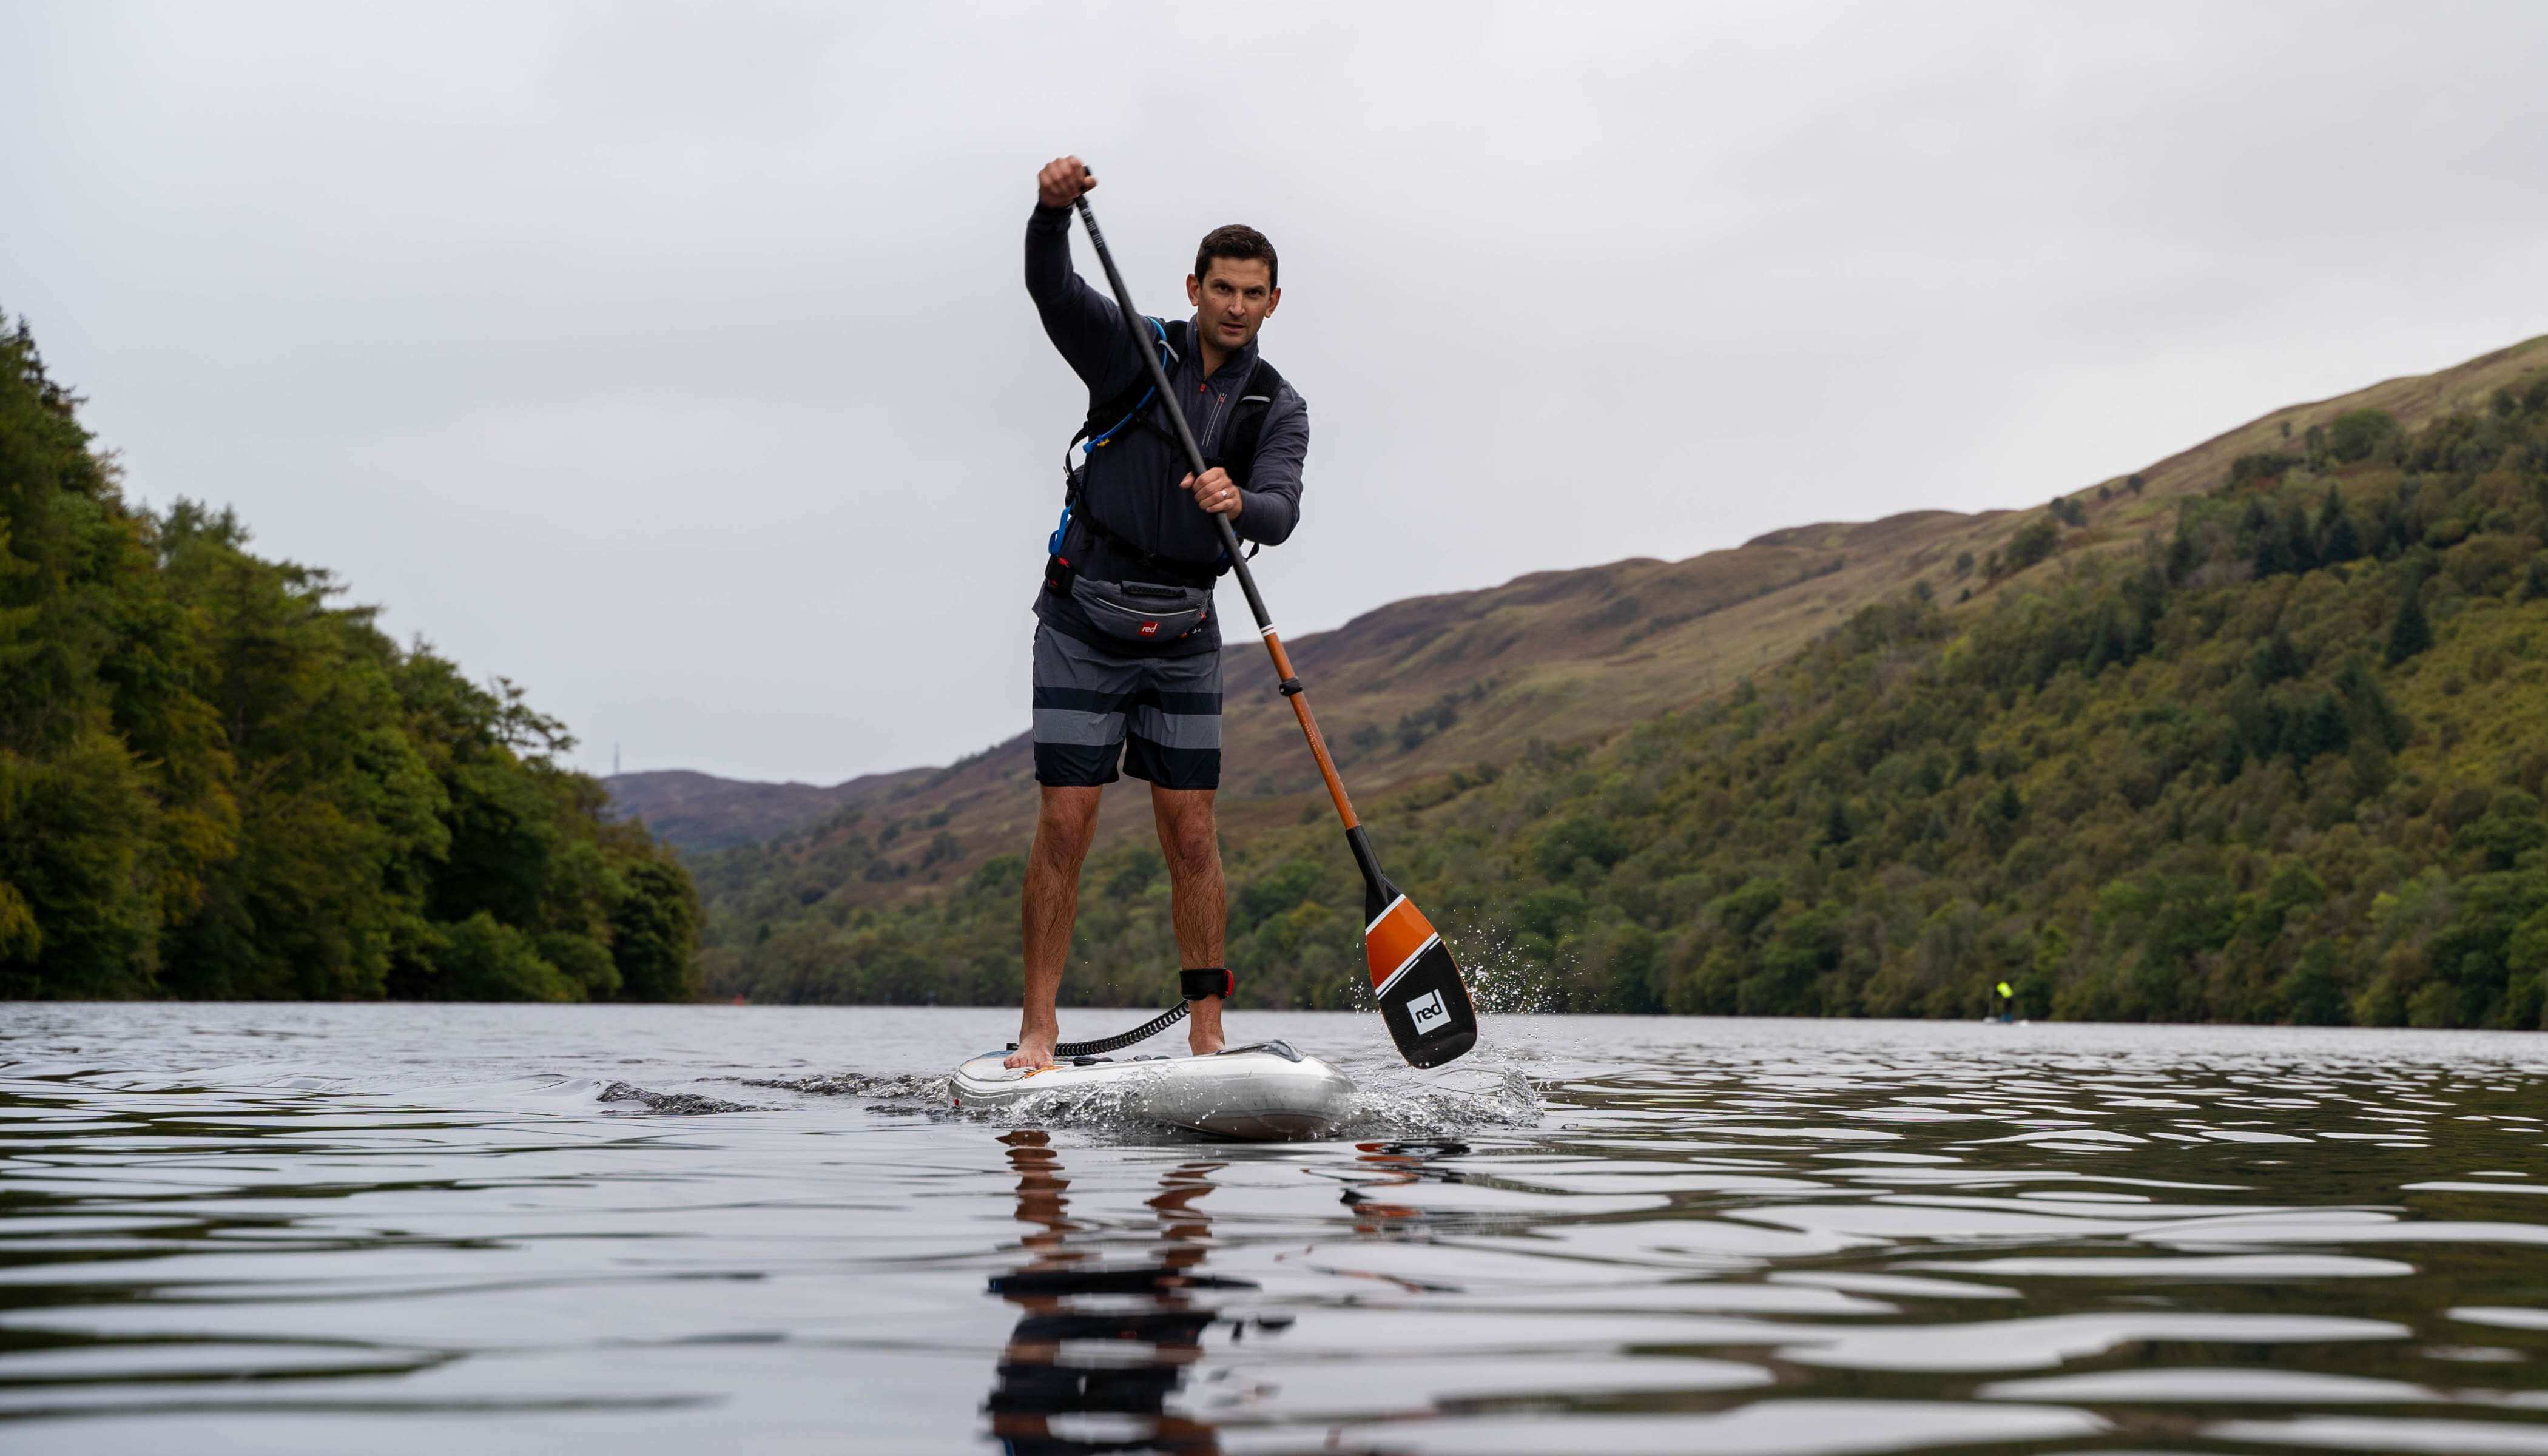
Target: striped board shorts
x=1160, y=715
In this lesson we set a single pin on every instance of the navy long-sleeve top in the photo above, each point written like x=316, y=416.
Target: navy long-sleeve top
x=1131, y=484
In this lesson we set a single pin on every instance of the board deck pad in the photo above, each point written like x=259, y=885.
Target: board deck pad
x=1423, y=999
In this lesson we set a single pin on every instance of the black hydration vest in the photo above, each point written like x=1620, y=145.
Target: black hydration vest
x=1130, y=409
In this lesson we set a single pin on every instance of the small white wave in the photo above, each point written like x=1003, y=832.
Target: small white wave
x=1404, y=1102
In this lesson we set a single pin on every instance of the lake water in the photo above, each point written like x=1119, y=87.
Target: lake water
x=488, y=1230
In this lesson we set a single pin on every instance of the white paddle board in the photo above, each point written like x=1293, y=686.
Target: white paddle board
x=1261, y=1092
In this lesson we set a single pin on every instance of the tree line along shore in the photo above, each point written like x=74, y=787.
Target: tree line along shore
x=2283, y=763
x=216, y=782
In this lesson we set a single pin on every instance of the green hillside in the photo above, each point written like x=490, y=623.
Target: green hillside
x=1415, y=690
x=2278, y=758
x=213, y=782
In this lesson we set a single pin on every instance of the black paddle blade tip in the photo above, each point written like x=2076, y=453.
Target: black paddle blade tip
x=1427, y=1010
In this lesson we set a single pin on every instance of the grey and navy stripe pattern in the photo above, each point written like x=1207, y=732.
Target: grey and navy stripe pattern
x=1160, y=715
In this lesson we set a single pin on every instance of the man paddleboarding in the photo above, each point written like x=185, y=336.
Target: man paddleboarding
x=1127, y=644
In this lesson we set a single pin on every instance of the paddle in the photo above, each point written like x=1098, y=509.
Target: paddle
x=1423, y=999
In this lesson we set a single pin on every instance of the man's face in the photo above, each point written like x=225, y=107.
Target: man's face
x=1232, y=300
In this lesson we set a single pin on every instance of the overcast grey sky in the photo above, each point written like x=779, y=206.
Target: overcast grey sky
x=673, y=359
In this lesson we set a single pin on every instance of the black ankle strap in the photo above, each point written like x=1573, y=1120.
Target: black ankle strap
x=1212, y=981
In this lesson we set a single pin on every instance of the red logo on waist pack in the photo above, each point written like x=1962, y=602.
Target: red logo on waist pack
x=1149, y=629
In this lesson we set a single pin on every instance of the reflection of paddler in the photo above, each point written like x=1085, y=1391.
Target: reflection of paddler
x=1095, y=1341
x=1186, y=1235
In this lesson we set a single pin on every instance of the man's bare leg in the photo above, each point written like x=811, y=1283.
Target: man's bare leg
x=1200, y=903
x=1064, y=823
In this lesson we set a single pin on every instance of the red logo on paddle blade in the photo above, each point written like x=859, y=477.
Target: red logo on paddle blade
x=1149, y=629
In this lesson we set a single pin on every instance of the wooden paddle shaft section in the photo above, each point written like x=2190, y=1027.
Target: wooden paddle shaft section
x=1309, y=725
x=1290, y=684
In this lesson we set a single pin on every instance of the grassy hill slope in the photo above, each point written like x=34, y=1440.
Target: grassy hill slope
x=1418, y=689
x=2278, y=760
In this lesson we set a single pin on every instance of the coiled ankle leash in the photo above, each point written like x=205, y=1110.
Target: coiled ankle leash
x=1213, y=980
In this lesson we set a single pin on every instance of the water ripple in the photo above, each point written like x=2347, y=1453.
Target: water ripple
x=321, y=1228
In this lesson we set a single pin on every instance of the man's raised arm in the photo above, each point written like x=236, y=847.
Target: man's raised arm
x=1082, y=322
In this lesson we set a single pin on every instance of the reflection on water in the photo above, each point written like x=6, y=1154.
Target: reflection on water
x=1100, y=1339
x=333, y=1228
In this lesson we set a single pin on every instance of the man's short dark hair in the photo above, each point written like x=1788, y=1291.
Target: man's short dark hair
x=1237, y=240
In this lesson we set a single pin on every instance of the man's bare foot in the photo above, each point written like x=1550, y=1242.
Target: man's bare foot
x=1034, y=1049
x=1204, y=1037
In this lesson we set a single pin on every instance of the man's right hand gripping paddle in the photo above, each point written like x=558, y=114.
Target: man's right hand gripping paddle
x=1422, y=1000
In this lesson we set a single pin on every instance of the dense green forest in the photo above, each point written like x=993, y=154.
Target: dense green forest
x=2281, y=764
x=213, y=782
